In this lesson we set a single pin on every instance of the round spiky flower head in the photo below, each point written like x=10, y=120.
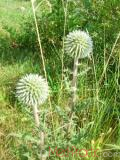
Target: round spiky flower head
x=32, y=90
x=78, y=44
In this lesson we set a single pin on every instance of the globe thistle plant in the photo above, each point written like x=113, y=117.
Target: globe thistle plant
x=78, y=44
x=32, y=90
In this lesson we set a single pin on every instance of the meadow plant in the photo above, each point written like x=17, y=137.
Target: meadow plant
x=32, y=90
x=78, y=45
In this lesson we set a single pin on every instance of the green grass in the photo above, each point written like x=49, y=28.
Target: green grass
x=11, y=13
x=96, y=120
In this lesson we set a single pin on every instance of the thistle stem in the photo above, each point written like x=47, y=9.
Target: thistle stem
x=74, y=88
x=36, y=115
x=74, y=81
x=41, y=134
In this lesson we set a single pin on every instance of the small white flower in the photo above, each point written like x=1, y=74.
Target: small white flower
x=32, y=90
x=78, y=43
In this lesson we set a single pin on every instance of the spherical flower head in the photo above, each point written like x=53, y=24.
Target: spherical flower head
x=78, y=44
x=32, y=90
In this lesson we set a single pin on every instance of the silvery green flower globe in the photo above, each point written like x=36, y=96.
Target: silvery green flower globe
x=78, y=44
x=32, y=90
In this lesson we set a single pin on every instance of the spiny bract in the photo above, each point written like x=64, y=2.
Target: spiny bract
x=78, y=44
x=32, y=90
